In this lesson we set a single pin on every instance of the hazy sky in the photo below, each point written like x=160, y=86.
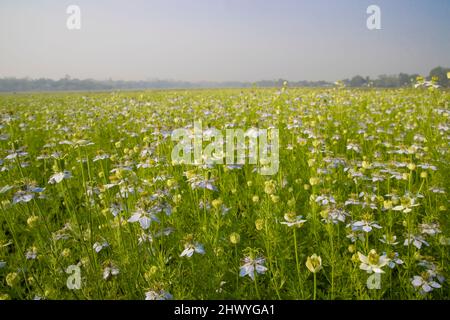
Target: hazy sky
x=218, y=40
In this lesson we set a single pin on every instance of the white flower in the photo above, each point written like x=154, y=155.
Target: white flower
x=190, y=248
x=59, y=176
x=424, y=283
x=99, y=246
x=429, y=228
x=314, y=263
x=388, y=239
x=110, y=270
x=158, y=295
x=31, y=254
x=292, y=220
x=417, y=241
x=373, y=262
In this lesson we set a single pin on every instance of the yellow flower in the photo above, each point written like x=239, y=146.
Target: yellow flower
x=31, y=221
x=12, y=279
x=4, y=296
x=275, y=198
x=314, y=181
x=387, y=204
x=235, y=238
x=365, y=165
x=255, y=199
x=217, y=203
x=259, y=224
x=269, y=187
x=150, y=273
x=171, y=182
x=314, y=263
x=66, y=252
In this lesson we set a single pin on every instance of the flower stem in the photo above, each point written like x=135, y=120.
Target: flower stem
x=296, y=258
x=315, y=286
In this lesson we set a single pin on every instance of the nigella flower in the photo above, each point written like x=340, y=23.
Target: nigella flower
x=429, y=228
x=101, y=157
x=145, y=237
x=353, y=146
x=373, y=262
x=158, y=295
x=15, y=155
x=110, y=270
x=31, y=254
x=417, y=241
x=365, y=225
x=389, y=239
x=115, y=209
x=353, y=236
x=335, y=215
x=204, y=205
x=190, y=248
x=432, y=270
x=145, y=218
x=425, y=283
x=406, y=205
x=325, y=200
x=394, y=260
x=164, y=232
x=292, y=220
x=59, y=176
x=204, y=184
x=99, y=246
x=22, y=196
x=250, y=265
x=314, y=263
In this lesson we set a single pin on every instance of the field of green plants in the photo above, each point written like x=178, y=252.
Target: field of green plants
x=92, y=206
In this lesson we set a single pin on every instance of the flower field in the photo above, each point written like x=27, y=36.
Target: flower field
x=93, y=207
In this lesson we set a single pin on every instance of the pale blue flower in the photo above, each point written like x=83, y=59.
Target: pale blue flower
x=190, y=248
x=59, y=176
x=365, y=226
x=425, y=284
x=250, y=265
x=144, y=218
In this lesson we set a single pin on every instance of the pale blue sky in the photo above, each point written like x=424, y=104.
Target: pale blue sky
x=219, y=40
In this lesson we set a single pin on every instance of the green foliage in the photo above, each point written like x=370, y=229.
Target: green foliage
x=348, y=158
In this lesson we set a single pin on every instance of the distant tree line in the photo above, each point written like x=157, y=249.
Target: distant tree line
x=69, y=84
x=400, y=80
